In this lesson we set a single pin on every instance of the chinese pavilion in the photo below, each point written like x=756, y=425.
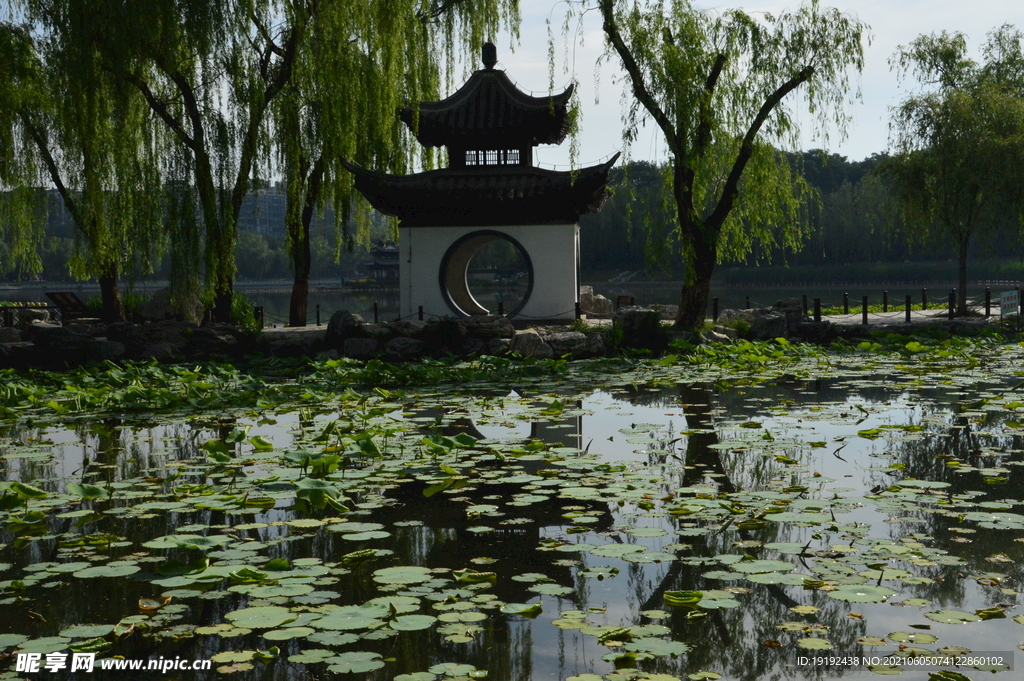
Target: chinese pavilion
x=490, y=190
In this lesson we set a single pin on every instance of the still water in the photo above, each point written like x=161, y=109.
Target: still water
x=533, y=530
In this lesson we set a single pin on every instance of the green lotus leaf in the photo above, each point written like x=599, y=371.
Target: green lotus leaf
x=287, y=634
x=952, y=616
x=814, y=643
x=87, y=630
x=107, y=571
x=406, y=574
x=913, y=637
x=260, y=617
x=861, y=593
x=351, y=617
x=656, y=646
x=412, y=622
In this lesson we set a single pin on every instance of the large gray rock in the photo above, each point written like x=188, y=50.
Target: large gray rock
x=377, y=331
x=731, y=317
x=528, y=343
x=473, y=346
x=792, y=309
x=489, y=326
x=596, y=306
x=567, y=343
x=498, y=346
x=405, y=348
x=9, y=334
x=407, y=327
x=815, y=332
x=33, y=316
x=726, y=331
x=109, y=350
x=158, y=307
x=595, y=346
x=360, y=348
x=343, y=325
x=714, y=337
x=212, y=339
x=768, y=325
x=641, y=328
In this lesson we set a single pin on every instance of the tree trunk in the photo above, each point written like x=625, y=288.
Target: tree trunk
x=961, y=294
x=301, y=257
x=222, y=299
x=693, y=301
x=113, y=307
x=297, y=306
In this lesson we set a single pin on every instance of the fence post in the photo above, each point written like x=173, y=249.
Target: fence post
x=318, y=315
x=864, y=310
x=988, y=301
x=924, y=299
x=805, y=304
x=885, y=301
x=817, y=309
x=258, y=310
x=909, y=305
x=501, y=308
x=420, y=313
x=376, y=318
x=748, y=304
x=952, y=303
x=579, y=310
x=714, y=309
x=846, y=303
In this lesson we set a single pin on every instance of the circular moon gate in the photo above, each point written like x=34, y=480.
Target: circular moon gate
x=454, y=272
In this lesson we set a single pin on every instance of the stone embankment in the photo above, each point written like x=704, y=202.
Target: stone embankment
x=50, y=346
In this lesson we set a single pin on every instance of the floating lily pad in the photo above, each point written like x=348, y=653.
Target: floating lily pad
x=952, y=616
x=403, y=575
x=354, y=663
x=261, y=617
x=861, y=593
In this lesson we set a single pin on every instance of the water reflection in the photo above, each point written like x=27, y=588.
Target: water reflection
x=511, y=516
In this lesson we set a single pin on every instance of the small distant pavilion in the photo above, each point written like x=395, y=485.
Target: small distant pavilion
x=490, y=190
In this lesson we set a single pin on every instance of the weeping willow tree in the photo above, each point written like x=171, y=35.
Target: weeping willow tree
x=359, y=63
x=958, y=170
x=718, y=86
x=208, y=71
x=65, y=123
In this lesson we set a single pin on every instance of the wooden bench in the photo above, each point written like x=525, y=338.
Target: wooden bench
x=70, y=305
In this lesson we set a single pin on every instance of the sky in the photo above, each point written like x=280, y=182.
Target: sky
x=892, y=23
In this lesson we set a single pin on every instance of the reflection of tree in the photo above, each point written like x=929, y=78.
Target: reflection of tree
x=731, y=640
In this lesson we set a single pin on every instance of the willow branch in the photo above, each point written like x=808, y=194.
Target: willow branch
x=636, y=76
x=731, y=188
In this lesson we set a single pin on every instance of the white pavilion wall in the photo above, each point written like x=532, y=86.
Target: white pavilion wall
x=552, y=249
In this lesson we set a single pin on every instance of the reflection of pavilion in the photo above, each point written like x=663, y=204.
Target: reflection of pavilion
x=490, y=191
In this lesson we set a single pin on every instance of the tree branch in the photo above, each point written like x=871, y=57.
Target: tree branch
x=704, y=129
x=640, y=91
x=160, y=108
x=274, y=47
x=436, y=11
x=731, y=188
x=51, y=166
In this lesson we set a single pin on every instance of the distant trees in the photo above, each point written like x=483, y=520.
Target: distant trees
x=958, y=170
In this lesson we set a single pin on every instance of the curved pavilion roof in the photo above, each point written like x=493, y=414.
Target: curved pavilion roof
x=490, y=112
x=494, y=195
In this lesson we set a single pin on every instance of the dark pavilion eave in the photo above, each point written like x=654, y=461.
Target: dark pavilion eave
x=490, y=112
x=502, y=195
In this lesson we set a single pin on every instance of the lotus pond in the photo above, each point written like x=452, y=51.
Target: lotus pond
x=714, y=514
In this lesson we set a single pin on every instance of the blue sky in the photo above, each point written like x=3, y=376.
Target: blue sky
x=892, y=23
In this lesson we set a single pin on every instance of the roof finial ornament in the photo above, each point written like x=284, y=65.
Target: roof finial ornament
x=490, y=55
